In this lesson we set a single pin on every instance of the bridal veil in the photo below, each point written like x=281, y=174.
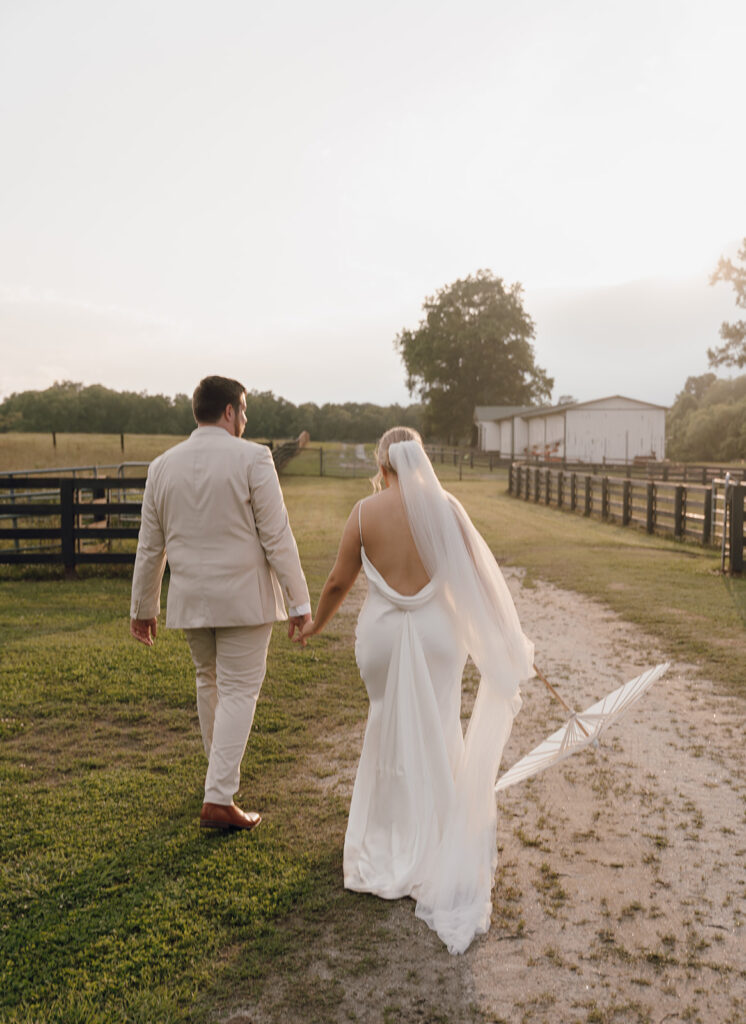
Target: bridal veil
x=454, y=897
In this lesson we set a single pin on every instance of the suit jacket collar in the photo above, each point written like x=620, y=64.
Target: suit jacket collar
x=209, y=431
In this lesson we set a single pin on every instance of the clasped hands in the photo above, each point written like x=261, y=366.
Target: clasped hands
x=300, y=627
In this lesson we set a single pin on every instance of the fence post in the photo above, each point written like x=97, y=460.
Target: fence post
x=626, y=502
x=737, y=498
x=547, y=486
x=321, y=461
x=537, y=483
x=588, y=496
x=99, y=494
x=679, y=509
x=12, y=496
x=560, y=488
x=573, y=491
x=650, y=523
x=604, y=497
x=707, y=517
x=67, y=526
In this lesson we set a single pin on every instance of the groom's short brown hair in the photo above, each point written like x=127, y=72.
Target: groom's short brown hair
x=212, y=395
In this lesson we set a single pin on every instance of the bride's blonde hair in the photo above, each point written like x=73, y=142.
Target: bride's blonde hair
x=392, y=435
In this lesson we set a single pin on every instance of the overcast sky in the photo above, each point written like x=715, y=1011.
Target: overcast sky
x=269, y=191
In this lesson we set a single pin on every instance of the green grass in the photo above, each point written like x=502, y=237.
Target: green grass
x=37, y=451
x=113, y=906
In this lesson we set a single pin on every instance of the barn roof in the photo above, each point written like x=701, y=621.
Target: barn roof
x=549, y=410
x=495, y=413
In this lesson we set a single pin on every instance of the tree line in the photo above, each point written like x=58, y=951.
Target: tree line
x=72, y=407
x=707, y=422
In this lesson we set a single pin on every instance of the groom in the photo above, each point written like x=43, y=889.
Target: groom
x=214, y=507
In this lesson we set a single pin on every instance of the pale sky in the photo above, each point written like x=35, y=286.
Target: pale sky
x=269, y=191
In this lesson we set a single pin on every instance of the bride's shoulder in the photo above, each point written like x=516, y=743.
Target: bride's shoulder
x=372, y=505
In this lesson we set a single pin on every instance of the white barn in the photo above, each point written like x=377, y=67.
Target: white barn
x=614, y=429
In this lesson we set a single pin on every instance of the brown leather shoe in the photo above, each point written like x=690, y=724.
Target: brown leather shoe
x=227, y=817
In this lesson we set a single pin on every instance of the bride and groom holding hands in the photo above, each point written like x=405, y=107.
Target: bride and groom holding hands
x=422, y=818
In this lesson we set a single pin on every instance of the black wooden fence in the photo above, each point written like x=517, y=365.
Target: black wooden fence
x=702, y=513
x=68, y=520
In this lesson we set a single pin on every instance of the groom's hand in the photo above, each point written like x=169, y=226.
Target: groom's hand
x=297, y=622
x=144, y=630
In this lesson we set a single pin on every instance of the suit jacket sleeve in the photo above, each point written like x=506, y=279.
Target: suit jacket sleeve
x=273, y=530
x=150, y=560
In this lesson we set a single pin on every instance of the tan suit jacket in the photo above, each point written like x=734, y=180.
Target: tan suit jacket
x=213, y=506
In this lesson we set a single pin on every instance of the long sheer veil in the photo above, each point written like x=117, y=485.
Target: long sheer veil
x=455, y=896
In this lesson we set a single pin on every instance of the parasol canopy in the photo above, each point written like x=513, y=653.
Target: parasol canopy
x=581, y=729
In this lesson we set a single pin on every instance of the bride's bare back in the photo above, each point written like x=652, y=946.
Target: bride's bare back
x=388, y=545
x=388, y=540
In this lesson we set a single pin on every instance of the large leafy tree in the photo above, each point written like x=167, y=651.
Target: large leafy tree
x=707, y=422
x=733, y=350
x=473, y=347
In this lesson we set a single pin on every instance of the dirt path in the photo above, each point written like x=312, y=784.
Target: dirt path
x=621, y=889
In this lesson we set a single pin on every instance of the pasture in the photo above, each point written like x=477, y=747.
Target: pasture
x=37, y=451
x=113, y=906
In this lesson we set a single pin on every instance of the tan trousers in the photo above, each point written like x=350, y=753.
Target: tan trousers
x=230, y=663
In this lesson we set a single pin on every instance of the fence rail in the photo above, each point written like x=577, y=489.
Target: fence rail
x=709, y=514
x=78, y=517
x=646, y=469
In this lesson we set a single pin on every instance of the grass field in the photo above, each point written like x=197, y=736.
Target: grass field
x=20, y=452
x=113, y=907
x=36, y=451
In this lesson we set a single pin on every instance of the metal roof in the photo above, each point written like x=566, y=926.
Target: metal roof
x=495, y=413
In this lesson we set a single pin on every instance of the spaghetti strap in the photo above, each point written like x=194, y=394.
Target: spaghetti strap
x=360, y=521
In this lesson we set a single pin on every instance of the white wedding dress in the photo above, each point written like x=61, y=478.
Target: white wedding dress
x=423, y=818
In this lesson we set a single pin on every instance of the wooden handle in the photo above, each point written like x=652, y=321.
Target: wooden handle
x=554, y=693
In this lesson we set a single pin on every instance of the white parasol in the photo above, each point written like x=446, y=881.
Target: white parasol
x=582, y=727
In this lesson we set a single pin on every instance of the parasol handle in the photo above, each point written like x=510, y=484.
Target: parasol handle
x=554, y=693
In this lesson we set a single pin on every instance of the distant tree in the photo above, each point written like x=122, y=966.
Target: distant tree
x=472, y=348
x=707, y=422
x=10, y=421
x=733, y=351
x=69, y=407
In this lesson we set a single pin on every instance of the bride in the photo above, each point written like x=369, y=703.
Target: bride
x=423, y=818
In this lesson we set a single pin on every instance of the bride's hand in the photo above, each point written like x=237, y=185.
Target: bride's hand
x=302, y=632
x=306, y=631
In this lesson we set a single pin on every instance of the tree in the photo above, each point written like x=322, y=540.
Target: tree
x=707, y=422
x=472, y=348
x=733, y=352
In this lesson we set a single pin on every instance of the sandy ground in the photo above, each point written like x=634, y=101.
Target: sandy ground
x=621, y=889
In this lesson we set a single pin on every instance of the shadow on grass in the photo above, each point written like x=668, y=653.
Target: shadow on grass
x=155, y=912
x=736, y=591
